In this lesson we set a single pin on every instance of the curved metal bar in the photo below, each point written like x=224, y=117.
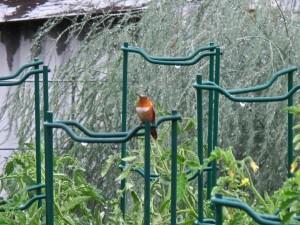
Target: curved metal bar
x=109, y=137
x=141, y=172
x=20, y=70
x=90, y=133
x=229, y=202
x=77, y=138
x=142, y=52
x=168, y=62
x=276, y=218
x=197, y=173
x=206, y=222
x=265, y=85
x=26, y=205
x=167, y=118
x=20, y=81
x=31, y=201
x=224, y=92
x=35, y=187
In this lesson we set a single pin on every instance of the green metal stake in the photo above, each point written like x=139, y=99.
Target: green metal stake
x=37, y=131
x=210, y=122
x=218, y=212
x=48, y=132
x=48, y=138
x=174, y=170
x=200, y=148
x=216, y=115
x=45, y=90
x=124, y=125
x=147, y=163
x=290, y=126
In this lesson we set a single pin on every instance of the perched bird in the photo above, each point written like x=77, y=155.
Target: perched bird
x=146, y=113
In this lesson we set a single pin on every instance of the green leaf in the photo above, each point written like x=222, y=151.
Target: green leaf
x=129, y=158
x=109, y=162
x=124, y=174
x=180, y=159
x=191, y=124
x=165, y=205
x=296, y=127
x=286, y=216
x=297, y=147
x=182, y=182
x=294, y=109
x=296, y=138
x=194, y=165
x=9, y=168
x=75, y=202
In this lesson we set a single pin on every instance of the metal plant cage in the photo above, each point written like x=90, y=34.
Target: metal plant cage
x=212, y=53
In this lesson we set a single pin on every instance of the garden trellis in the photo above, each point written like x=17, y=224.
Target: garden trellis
x=200, y=85
x=30, y=69
x=213, y=53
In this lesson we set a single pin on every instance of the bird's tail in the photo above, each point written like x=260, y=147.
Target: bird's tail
x=153, y=133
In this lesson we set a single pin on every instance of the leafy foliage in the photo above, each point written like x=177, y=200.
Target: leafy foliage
x=255, y=44
x=76, y=201
x=161, y=187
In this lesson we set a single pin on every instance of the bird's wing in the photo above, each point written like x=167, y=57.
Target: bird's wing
x=153, y=115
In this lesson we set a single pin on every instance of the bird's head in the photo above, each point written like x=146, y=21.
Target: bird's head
x=142, y=96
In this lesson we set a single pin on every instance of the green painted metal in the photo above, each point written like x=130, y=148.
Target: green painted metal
x=25, y=205
x=200, y=150
x=34, y=69
x=212, y=86
x=21, y=69
x=174, y=169
x=110, y=137
x=10, y=83
x=48, y=137
x=209, y=86
x=195, y=57
x=218, y=212
x=35, y=187
x=216, y=114
x=116, y=137
x=264, y=219
x=200, y=85
x=124, y=124
x=266, y=85
x=92, y=133
x=141, y=172
x=37, y=131
x=147, y=181
x=45, y=90
x=290, y=126
x=210, y=126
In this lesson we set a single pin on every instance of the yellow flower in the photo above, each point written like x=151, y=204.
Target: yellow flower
x=294, y=167
x=245, y=182
x=254, y=166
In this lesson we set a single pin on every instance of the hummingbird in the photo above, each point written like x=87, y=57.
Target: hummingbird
x=146, y=113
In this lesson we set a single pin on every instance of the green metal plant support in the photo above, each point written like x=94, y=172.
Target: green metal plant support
x=213, y=53
x=29, y=70
x=118, y=137
x=84, y=135
x=231, y=94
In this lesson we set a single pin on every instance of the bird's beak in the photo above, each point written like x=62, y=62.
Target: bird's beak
x=138, y=94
